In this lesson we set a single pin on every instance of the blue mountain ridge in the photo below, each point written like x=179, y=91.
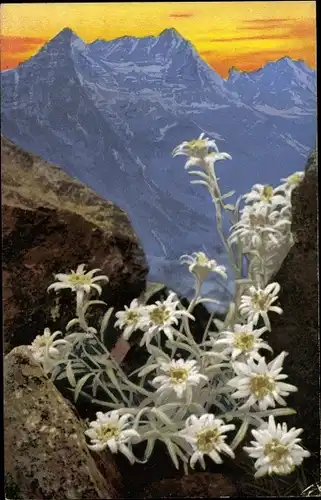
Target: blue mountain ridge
x=111, y=112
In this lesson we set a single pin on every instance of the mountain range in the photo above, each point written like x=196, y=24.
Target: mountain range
x=111, y=112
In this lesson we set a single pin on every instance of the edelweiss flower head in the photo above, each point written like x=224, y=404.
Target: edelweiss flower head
x=201, y=265
x=131, y=319
x=257, y=221
x=259, y=303
x=206, y=435
x=198, y=152
x=45, y=349
x=261, y=383
x=112, y=430
x=196, y=148
x=243, y=340
x=180, y=376
x=161, y=316
x=78, y=280
x=46, y=345
x=292, y=181
x=267, y=195
x=276, y=449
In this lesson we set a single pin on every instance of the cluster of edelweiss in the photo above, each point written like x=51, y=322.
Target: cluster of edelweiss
x=189, y=401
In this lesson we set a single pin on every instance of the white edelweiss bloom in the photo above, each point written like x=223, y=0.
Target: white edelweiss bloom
x=259, y=303
x=292, y=181
x=131, y=319
x=261, y=383
x=258, y=221
x=179, y=376
x=196, y=148
x=161, y=316
x=79, y=280
x=276, y=449
x=206, y=435
x=112, y=430
x=45, y=349
x=266, y=194
x=243, y=340
x=198, y=152
x=200, y=265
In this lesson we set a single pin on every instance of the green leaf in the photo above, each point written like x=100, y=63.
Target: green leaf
x=151, y=289
x=147, y=369
x=149, y=448
x=104, y=323
x=201, y=174
x=81, y=382
x=171, y=451
x=91, y=303
x=200, y=182
x=227, y=195
x=71, y=323
x=70, y=374
x=230, y=207
x=156, y=352
x=240, y=435
x=162, y=417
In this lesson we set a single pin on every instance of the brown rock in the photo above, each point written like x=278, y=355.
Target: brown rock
x=52, y=223
x=296, y=330
x=44, y=444
x=197, y=485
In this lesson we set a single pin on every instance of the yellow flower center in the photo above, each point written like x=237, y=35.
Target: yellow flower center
x=206, y=440
x=201, y=259
x=275, y=451
x=108, y=431
x=261, y=385
x=132, y=317
x=178, y=375
x=260, y=301
x=79, y=279
x=160, y=315
x=294, y=179
x=267, y=193
x=198, y=147
x=244, y=341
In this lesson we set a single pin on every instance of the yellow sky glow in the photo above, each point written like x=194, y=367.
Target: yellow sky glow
x=241, y=34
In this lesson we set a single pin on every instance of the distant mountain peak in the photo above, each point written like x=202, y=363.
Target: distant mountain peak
x=171, y=32
x=66, y=34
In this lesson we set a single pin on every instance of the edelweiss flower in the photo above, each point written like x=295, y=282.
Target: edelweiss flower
x=180, y=377
x=198, y=152
x=258, y=221
x=259, y=303
x=267, y=195
x=292, y=181
x=243, y=340
x=201, y=265
x=260, y=383
x=110, y=429
x=131, y=319
x=45, y=350
x=206, y=436
x=276, y=449
x=160, y=318
x=78, y=281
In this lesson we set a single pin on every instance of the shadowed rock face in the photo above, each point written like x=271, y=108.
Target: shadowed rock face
x=296, y=331
x=51, y=224
x=197, y=485
x=45, y=451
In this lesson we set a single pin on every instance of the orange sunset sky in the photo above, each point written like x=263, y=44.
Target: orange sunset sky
x=245, y=35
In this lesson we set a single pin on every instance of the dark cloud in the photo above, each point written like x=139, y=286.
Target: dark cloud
x=179, y=15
